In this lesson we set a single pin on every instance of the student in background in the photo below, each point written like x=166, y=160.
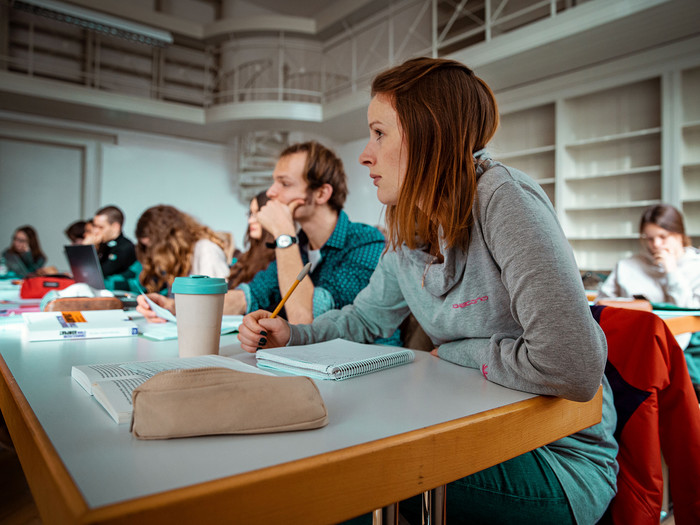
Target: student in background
x=477, y=255
x=259, y=256
x=24, y=255
x=667, y=270
x=91, y=236
x=76, y=232
x=115, y=251
x=173, y=244
x=309, y=188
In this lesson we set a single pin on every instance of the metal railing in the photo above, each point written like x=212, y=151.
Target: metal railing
x=45, y=48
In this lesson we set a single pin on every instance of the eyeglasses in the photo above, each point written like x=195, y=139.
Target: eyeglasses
x=663, y=237
x=21, y=240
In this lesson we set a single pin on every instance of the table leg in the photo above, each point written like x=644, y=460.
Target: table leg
x=434, y=506
x=388, y=515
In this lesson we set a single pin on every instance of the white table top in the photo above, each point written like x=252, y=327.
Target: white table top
x=108, y=465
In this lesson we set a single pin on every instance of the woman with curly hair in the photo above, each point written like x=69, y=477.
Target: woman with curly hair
x=24, y=255
x=258, y=256
x=173, y=244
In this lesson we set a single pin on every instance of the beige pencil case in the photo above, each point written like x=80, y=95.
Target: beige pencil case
x=205, y=401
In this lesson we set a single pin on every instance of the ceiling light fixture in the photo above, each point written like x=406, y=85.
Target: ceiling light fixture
x=94, y=21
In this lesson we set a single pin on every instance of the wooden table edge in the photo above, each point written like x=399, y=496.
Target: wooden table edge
x=374, y=474
x=55, y=493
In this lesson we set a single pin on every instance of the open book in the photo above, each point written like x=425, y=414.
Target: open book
x=112, y=384
x=337, y=359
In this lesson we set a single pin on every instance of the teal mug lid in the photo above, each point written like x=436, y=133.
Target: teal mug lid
x=199, y=285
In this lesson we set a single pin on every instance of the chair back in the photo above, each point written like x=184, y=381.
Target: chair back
x=657, y=412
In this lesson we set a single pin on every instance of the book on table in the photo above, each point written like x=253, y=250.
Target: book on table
x=88, y=324
x=112, y=384
x=337, y=359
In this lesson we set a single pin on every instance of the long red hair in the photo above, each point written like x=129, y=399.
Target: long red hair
x=446, y=113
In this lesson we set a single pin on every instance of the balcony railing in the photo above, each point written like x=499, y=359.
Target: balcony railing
x=292, y=69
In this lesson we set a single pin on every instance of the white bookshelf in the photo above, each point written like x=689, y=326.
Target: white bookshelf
x=609, y=164
x=598, y=154
x=608, y=141
x=525, y=140
x=690, y=151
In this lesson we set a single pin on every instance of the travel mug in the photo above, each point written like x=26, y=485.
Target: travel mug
x=199, y=308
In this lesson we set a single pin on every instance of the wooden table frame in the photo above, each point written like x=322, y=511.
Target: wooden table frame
x=327, y=488
x=684, y=324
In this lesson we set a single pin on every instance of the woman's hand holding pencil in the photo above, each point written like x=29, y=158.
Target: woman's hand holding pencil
x=264, y=329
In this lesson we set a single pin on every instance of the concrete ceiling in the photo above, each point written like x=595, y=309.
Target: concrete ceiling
x=505, y=69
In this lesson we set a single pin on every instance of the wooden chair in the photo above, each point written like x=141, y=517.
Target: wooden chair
x=76, y=304
x=413, y=336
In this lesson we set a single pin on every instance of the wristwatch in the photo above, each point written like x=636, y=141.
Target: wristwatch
x=283, y=241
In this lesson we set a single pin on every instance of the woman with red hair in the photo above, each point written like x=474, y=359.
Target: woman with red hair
x=477, y=255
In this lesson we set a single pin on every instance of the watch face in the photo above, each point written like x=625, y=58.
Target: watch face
x=284, y=241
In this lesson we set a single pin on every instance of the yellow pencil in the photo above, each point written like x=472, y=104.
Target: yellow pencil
x=305, y=270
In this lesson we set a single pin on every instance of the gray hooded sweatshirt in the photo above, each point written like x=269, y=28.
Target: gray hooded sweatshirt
x=512, y=305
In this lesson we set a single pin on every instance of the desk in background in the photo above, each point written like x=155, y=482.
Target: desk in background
x=679, y=321
x=391, y=435
x=680, y=324
x=10, y=303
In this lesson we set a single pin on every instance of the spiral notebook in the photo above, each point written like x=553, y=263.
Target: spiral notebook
x=337, y=359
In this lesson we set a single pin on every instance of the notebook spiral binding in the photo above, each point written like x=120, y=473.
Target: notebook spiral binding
x=366, y=366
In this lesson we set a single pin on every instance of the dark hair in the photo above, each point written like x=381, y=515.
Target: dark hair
x=112, y=213
x=33, y=238
x=446, y=114
x=76, y=231
x=322, y=167
x=257, y=258
x=667, y=217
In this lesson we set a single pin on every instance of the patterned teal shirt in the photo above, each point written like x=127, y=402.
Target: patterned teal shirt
x=347, y=261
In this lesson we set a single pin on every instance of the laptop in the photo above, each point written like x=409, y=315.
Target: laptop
x=85, y=265
x=86, y=268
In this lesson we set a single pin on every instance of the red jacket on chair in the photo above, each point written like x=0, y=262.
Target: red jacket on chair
x=657, y=413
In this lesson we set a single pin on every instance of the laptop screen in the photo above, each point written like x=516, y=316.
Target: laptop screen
x=85, y=265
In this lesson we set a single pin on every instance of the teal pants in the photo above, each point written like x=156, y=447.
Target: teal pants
x=692, y=358
x=523, y=490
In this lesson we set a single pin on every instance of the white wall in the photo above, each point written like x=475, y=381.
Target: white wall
x=144, y=170
x=34, y=178
x=134, y=171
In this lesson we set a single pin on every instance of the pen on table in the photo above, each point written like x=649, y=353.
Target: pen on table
x=299, y=278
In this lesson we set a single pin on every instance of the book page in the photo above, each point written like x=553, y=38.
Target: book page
x=150, y=368
x=159, y=310
x=115, y=397
x=87, y=375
